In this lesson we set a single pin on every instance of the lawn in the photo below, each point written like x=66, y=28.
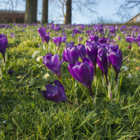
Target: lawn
x=26, y=114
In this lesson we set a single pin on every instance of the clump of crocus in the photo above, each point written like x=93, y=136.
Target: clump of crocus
x=55, y=93
x=88, y=32
x=129, y=38
x=3, y=44
x=57, y=40
x=52, y=63
x=76, y=31
x=71, y=55
x=83, y=72
x=82, y=50
x=71, y=44
x=93, y=38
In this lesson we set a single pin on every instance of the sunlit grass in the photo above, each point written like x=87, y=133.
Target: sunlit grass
x=25, y=114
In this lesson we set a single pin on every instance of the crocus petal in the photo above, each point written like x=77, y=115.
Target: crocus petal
x=73, y=71
x=74, y=54
x=55, y=59
x=84, y=74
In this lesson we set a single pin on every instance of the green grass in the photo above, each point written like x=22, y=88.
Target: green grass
x=25, y=114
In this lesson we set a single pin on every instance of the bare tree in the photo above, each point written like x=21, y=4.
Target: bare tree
x=12, y=4
x=31, y=11
x=45, y=11
x=67, y=16
x=125, y=9
x=84, y=6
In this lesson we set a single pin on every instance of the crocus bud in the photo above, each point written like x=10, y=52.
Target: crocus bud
x=52, y=63
x=57, y=40
x=82, y=50
x=83, y=72
x=71, y=55
x=116, y=59
x=55, y=93
x=102, y=60
x=3, y=44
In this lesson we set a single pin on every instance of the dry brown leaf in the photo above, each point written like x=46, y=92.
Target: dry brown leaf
x=137, y=68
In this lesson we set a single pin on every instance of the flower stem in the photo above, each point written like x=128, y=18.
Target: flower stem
x=116, y=85
x=0, y=71
x=91, y=92
x=106, y=79
x=103, y=82
x=69, y=102
x=116, y=78
x=92, y=95
x=94, y=66
x=109, y=91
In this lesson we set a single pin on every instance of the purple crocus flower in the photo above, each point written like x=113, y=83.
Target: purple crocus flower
x=82, y=50
x=71, y=44
x=119, y=38
x=52, y=63
x=83, y=72
x=102, y=61
x=88, y=32
x=116, y=60
x=72, y=35
x=139, y=43
x=45, y=36
x=76, y=31
x=80, y=39
x=101, y=30
x=57, y=41
x=41, y=32
x=102, y=40
x=70, y=55
x=64, y=38
x=55, y=93
x=112, y=29
x=130, y=38
x=57, y=28
x=91, y=49
x=93, y=38
x=10, y=72
x=12, y=35
x=3, y=44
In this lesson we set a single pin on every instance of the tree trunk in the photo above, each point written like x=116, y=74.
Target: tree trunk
x=45, y=12
x=67, y=18
x=31, y=11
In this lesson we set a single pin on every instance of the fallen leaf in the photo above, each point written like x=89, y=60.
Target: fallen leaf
x=137, y=68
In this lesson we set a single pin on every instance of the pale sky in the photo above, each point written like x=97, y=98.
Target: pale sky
x=105, y=9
